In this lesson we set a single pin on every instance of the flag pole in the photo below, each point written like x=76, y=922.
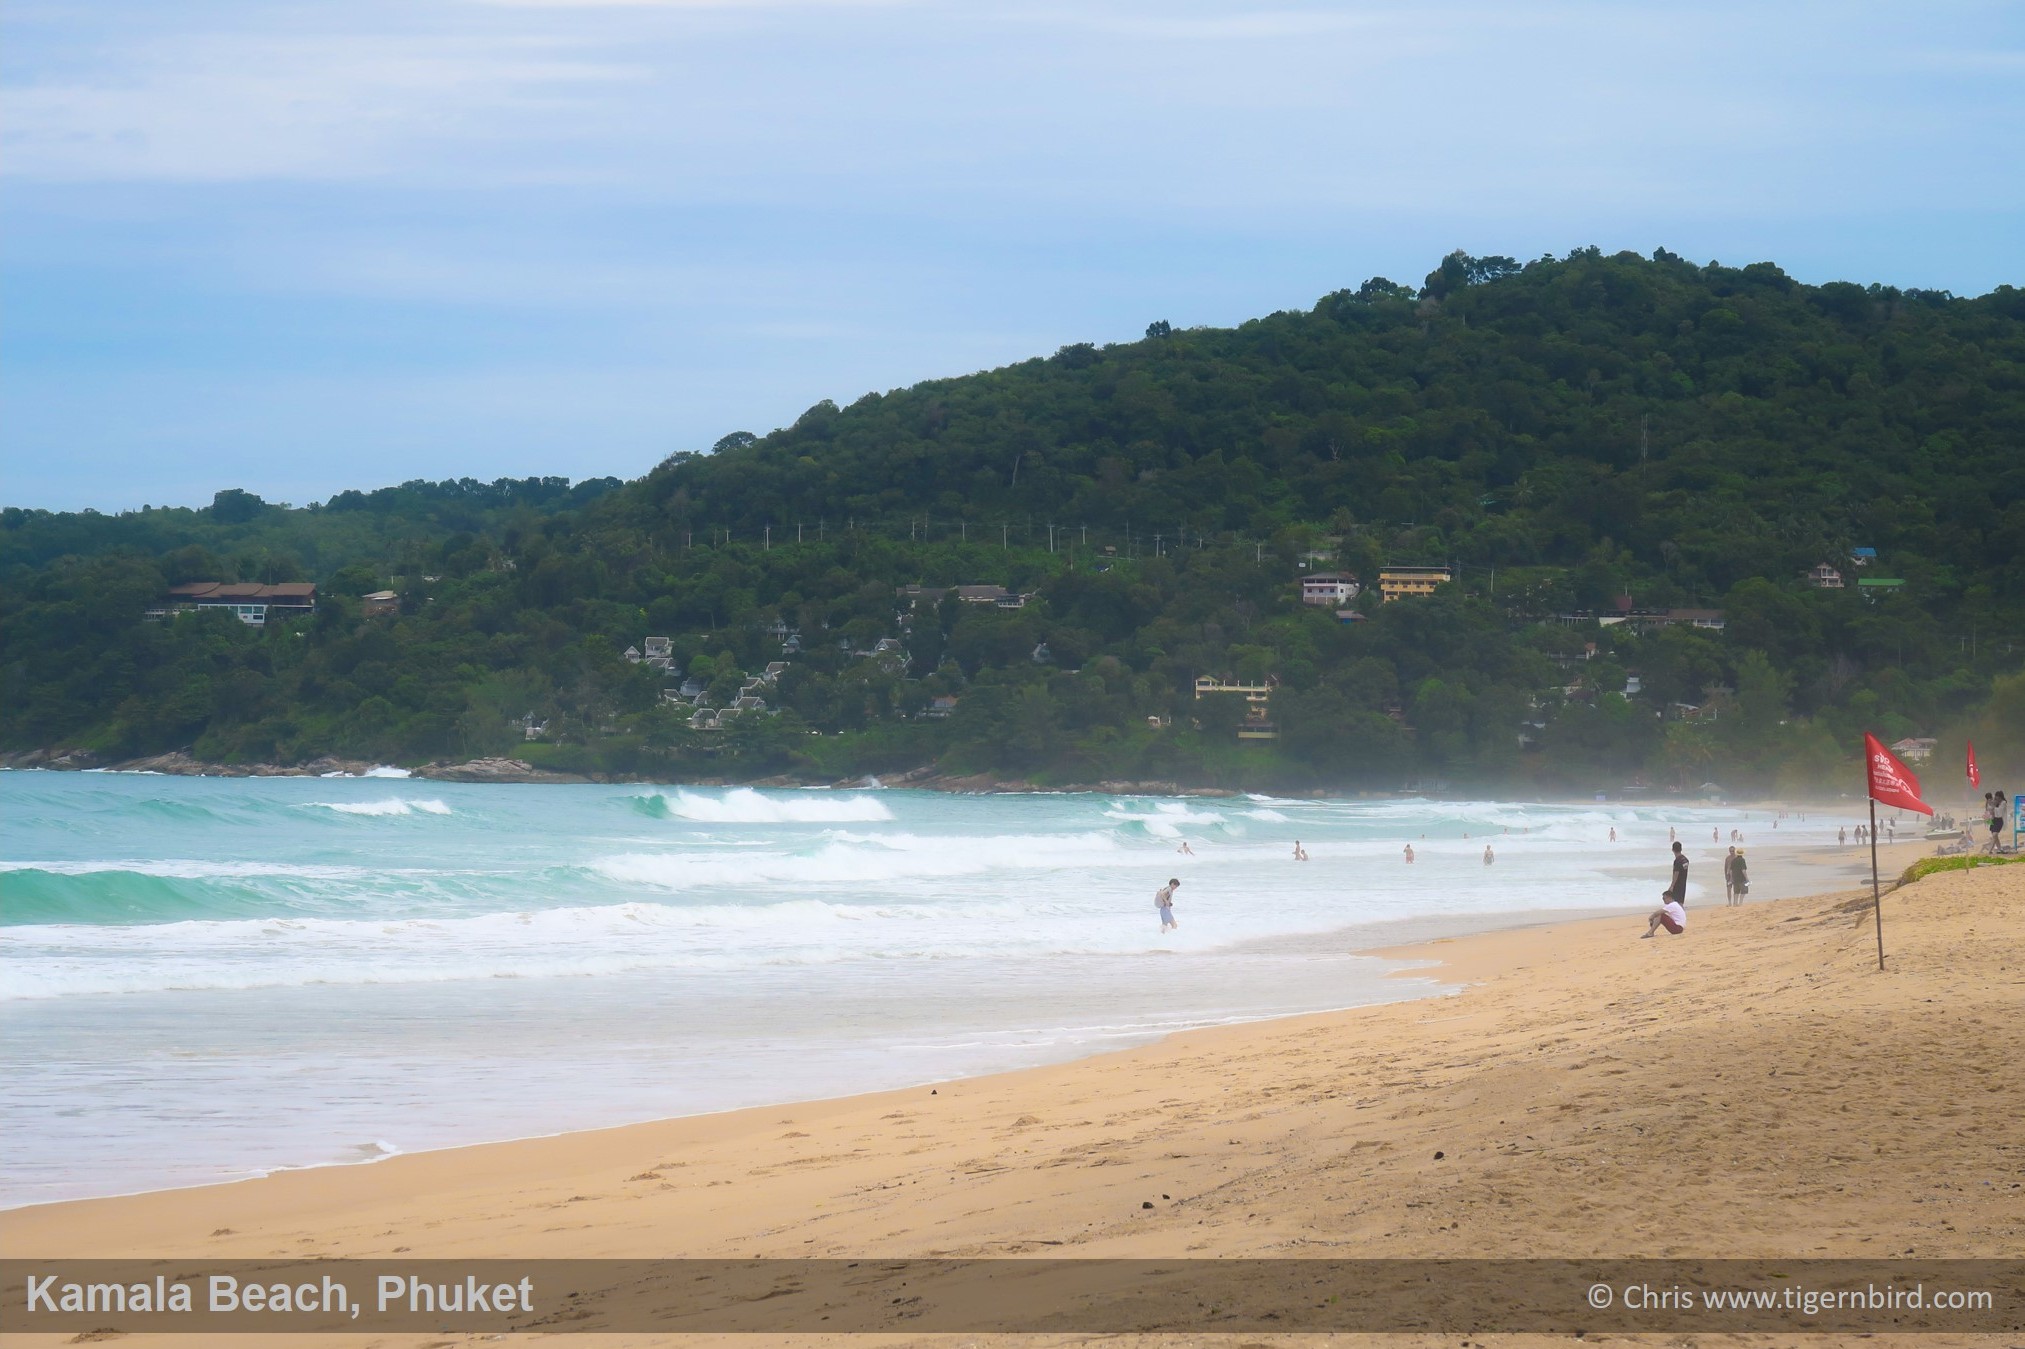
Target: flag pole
x=1876, y=892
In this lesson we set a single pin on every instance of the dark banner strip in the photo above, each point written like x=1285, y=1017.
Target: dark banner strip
x=1842, y=1297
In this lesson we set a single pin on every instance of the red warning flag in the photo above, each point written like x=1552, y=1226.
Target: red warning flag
x=1891, y=781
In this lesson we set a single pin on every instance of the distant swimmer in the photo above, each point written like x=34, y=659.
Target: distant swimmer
x=1409, y=854
x=1185, y=850
x=1163, y=900
x=1715, y=835
x=1671, y=836
x=1300, y=853
x=1488, y=858
x=1613, y=833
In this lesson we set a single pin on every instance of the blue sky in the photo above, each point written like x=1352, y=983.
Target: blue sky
x=297, y=247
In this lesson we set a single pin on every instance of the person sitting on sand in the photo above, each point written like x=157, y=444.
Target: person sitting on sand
x=1163, y=900
x=1669, y=915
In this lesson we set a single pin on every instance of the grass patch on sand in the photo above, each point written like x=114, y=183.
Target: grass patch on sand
x=1930, y=866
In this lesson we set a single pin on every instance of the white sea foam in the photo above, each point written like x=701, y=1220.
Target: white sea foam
x=1165, y=819
x=42, y=962
x=386, y=771
x=1273, y=816
x=390, y=806
x=743, y=805
x=867, y=860
x=201, y=869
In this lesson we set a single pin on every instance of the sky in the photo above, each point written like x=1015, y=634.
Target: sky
x=299, y=246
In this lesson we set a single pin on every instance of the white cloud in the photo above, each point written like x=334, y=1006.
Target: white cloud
x=239, y=106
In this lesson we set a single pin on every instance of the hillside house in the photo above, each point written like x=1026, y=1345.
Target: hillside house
x=1256, y=726
x=380, y=603
x=1398, y=583
x=1825, y=577
x=250, y=603
x=1328, y=588
x=1254, y=693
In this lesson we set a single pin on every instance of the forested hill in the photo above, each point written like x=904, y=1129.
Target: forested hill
x=1563, y=434
x=1714, y=423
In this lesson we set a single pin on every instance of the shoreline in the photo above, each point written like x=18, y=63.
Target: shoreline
x=504, y=771
x=1452, y=965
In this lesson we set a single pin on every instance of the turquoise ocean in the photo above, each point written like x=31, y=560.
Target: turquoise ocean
x=209, y=978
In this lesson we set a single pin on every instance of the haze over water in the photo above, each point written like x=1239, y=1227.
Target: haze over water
x=203, y=979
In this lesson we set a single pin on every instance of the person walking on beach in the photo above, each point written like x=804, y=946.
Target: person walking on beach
x=1730, y=877
x=1841, y=837
x=1671, y=915
x=1742, y=875
x=1409, y=854
x=1678, y=889
x=1163, y=900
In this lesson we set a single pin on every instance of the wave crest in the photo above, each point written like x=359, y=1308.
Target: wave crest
x=744, y=805
x=1164, y=820
x=391, y=806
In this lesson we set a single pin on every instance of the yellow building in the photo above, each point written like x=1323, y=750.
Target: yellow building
x=1396, y=583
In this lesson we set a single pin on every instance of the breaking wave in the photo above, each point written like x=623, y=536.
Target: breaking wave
x=744, y=805
x=390, y=806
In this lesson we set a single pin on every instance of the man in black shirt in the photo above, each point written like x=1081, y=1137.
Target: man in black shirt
x=1678, y=890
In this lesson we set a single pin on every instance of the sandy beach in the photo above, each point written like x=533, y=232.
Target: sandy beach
x=1754, y=1088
